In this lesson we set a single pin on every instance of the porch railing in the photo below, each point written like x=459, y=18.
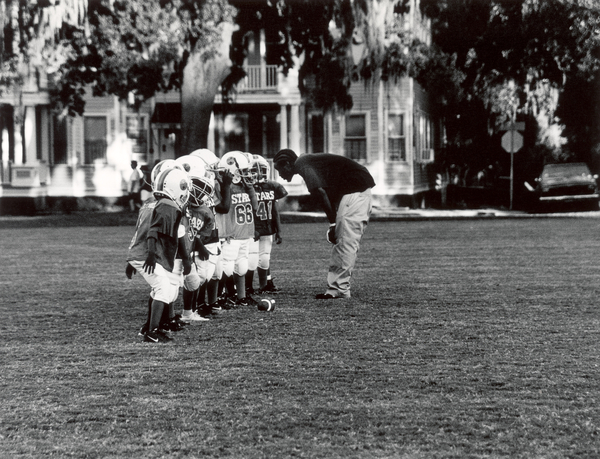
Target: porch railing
x=259, y=78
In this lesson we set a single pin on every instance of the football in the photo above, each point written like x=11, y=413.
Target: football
x=266, y=304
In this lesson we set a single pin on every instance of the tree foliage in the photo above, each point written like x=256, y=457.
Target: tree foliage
x=535, y=47
x=32, y=35
x=136, y=49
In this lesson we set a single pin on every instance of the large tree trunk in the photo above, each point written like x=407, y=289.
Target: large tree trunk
x=201, y=80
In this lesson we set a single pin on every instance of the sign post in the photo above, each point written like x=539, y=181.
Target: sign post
x=512, y=141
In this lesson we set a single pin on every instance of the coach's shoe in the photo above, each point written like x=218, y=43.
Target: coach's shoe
x=189, y=316
x=329, y=296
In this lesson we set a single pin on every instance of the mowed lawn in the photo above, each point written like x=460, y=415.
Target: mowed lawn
x=463, y=339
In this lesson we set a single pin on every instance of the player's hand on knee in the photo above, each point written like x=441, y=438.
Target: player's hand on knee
x=150, y=264
x=203, y=254
x=331, y=234
x=129, y=271
x=187, y=267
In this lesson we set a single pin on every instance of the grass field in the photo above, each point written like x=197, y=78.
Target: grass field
x=464, y=339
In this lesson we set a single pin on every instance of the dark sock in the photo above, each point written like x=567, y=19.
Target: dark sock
x=249, y=279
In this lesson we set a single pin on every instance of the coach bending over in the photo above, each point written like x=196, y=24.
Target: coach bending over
x=343, y=187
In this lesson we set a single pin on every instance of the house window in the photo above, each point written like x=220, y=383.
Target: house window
x=396, y=138
x=60, y=140
x=426, y=138
x=137, y=133
x=231, y=132
x=355, y=142
x=94, y=132
x=316, y=134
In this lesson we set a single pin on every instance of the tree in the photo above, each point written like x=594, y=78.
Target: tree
x=138, y=48
x=538, y=46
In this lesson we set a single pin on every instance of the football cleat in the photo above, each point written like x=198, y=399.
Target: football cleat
x=157, y=336
x=269, y=288
x=192, y=317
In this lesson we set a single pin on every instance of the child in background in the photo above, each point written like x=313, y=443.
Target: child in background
x=267, y=226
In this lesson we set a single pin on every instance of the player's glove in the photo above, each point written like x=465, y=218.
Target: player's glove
x=129, y=271
x=150, y=263
x=256, y=236
x=331, y=234
x=278, y=239
x=227, y=178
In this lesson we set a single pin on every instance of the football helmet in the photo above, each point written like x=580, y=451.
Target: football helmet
x=174, y=184
x=208, y=157
x=202, y=181
x=164, y=165
x=253, y=171
x=237, y=163
x=262, y=168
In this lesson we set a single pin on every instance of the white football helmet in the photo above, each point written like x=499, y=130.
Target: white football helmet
x=202, y=181
x=174, y=184
x=208, y=157
x=262, y=168
x=164, y=165
x=237, y=163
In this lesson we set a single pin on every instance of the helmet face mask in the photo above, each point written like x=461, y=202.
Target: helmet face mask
x=202, y=184
x=202, y=191
x=173, y=184
x=262, y=168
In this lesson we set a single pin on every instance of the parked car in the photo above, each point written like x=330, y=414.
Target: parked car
x=567, y=183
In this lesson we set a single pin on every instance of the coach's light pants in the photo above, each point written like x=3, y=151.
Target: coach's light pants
x=351, y=221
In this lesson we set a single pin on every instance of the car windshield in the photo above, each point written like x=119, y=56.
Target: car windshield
x=566, y=170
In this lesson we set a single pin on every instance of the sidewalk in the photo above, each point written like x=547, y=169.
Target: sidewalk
x=406, y=214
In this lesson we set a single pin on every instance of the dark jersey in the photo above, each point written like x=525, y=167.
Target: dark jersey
x=199, y=223
x=164, y=228
x=337, y=175
x=213, y=236
x=266, y=195
x=138, y=248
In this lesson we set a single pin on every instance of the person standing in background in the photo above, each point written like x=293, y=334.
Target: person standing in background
x=134, y=186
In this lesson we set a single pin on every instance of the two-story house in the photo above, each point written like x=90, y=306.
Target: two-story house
x=83, y=162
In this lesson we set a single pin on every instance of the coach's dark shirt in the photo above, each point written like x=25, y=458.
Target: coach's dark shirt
x=337, y=175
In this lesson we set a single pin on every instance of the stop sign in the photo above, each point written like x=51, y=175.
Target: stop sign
x=512, y=141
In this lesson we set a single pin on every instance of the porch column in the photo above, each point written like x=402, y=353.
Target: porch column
x=30, y=141
x=210, y=141
x=295, y=128
x=20, y=114
x=283, y=127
